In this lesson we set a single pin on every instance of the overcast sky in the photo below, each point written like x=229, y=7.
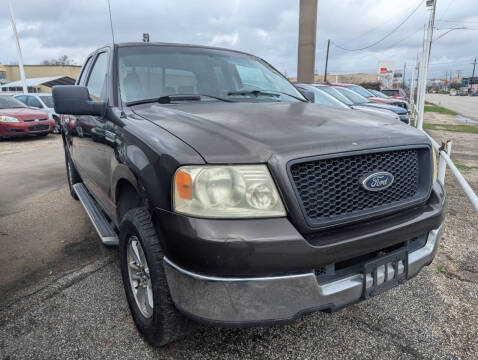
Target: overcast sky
x=267, y=28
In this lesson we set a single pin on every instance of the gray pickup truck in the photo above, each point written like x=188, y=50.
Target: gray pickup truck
x=234, y=200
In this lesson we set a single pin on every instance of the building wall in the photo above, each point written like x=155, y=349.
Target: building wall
x=36, y=71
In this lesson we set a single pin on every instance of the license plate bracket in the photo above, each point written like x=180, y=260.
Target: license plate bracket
x=395, y=263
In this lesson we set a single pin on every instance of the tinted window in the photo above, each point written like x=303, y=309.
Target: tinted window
x=7, y=102
x=352, y=96
x=331, y=91
x=22, y=98
x=33, y=102
x=390, y=92
x=147, y=72
x=322, y=97
x=97, y=80
x=82, y=77
x=360, y=90
x=48, y=100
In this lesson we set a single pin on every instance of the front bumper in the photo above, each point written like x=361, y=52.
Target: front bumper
x=26, y=128
x=256, y=300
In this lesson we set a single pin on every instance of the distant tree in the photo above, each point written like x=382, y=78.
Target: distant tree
x=62, y=61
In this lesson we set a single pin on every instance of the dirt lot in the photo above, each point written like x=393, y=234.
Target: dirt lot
x=68, y=300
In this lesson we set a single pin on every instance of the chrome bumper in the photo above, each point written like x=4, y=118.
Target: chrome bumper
x=248, y=301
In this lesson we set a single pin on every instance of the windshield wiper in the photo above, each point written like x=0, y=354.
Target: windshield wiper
x=275, y=93
x=167, y=99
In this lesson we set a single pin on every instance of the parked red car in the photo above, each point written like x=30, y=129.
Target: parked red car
x=395, y=93
x=364, y=92
x=17, y=119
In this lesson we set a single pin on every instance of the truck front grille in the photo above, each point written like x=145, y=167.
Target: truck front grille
x=329, y=188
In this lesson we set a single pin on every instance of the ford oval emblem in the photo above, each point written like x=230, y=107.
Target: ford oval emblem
x=377, y=181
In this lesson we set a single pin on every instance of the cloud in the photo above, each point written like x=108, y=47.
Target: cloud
x=229, y=40
x=266, y=28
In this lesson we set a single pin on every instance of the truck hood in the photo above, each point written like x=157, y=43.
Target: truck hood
x=255, y=132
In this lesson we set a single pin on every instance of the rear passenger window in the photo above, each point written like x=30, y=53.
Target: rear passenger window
x=97, y=80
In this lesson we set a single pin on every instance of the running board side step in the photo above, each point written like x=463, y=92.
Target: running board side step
x=103, y=228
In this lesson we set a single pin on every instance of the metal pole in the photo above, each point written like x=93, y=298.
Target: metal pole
x=403, y=75
x=426, y=57
x=19, y=50
x=412, y=89
x=327, y=61
x=473, y=75
x=442, y=164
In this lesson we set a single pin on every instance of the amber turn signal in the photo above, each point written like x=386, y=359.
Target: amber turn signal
x=183, y=185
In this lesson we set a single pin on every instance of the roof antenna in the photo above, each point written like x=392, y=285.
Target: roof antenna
x=111, y=22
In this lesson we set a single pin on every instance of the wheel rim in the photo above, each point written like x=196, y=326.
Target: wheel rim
x=139, y=277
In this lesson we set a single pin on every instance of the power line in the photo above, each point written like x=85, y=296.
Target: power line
x=384, y=37
x=448, y=7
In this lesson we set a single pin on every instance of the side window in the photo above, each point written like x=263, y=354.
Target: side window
x=97, y=80
x=81, y=79
x=22, y=98
x=33, y=102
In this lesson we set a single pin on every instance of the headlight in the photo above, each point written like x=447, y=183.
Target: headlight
x=435, y=167
x=8, y=119
x=241, y=191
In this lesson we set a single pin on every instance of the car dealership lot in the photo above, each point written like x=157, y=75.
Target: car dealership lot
x=65, y=298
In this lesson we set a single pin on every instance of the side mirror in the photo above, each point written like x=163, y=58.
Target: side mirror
x=308, y=94
x=75, y=100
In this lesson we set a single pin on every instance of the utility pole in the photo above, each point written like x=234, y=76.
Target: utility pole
x=425, y=60
x=307, y=36
x=420, y=76
x=412, y=88
x=327, y=61
x=403, y=75
x=19, y=50
x=446, y=81
x=473, y=75
x=458, y=73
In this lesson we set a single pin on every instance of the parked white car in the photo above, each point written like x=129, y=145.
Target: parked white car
x=44, y=102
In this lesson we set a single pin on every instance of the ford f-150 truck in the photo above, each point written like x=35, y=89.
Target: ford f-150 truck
x=234, y=200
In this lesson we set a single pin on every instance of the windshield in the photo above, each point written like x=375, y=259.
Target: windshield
x=379, y=94
x=48, y=100
x=331, y=91
x=360, y=90
x=8, y=102
x=148, y=72
x=352, y=96
x=321, y=97
x=391, y=92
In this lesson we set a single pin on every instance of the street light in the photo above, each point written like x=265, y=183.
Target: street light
x=442, y=35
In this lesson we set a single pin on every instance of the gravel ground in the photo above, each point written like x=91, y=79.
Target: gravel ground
x=84, y=315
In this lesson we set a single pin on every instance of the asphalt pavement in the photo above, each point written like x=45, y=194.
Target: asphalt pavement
x=464, y=105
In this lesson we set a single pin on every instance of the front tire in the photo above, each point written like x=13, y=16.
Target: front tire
x=144, y=280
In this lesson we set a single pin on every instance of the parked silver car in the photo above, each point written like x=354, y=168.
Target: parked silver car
x=44, y=102
x=327, y=95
